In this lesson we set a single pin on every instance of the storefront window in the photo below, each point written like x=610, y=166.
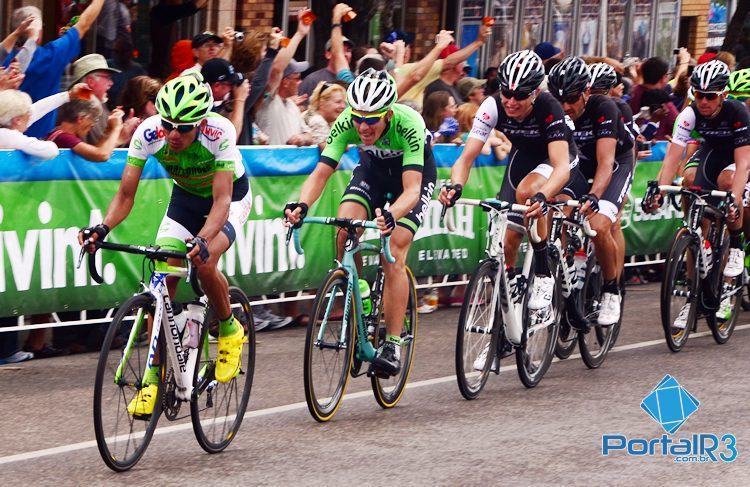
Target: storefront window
x=641, y=29
x=667, y=18
x=503, y=32
x=616, y=22
x=588, y=28
x=533, y=23
x=562, y=24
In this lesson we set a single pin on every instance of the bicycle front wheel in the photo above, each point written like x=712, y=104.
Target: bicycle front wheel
x=218, y=408
x=679, y=291
x=722, y=321
x=329, y=346
x=597, y=341
x=388, y=392
x=121, y=437
x=541, y=328
x=477, y=323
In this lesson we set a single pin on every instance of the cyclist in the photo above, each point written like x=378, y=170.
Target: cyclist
x=606, y=157
x=603, y=79
x=210, y=199
x=542, y=160
x=396, y=166
x=723, y=158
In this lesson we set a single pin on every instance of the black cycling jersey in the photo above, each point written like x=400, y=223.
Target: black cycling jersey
x=724, y=132
x=627, y=117
x=546, y=123
x=601, y=119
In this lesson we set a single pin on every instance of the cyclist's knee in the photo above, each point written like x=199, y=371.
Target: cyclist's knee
x=725, y=179
x=602, y=225
x=688, y=177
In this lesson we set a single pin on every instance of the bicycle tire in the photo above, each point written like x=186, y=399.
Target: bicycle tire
x=132, y=375
x=567, y=338
x=592, y=286
x=722, y=330
x=531, y=378
x=208, y=389
x=682, y=244
x=475, y=296
x=388, y=392
x=336, y=278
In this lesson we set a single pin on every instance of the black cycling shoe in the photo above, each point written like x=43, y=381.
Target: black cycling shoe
x=386, y=360
x=574, y=314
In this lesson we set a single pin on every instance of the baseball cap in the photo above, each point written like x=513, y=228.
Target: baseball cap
x=468, y=84
x=218, y=69
x=201, y=39
x=346, y=41
x=296, y=67
x=546, y=50
x=706, y=57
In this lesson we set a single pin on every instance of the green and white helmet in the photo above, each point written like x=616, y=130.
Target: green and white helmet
x=739, y=83
x=185, y=99
x=372, y=91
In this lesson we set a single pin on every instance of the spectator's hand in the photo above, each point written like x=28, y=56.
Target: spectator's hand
x=644, y=154
x=11, y=78
x=299, y=100
x=444, y=38
x=228, y=37
x=300, y=140
x=129, y=126
x=274, y=39
x=303, y=29
x=387, y=49
x=683, y=57
x=339, y=11
x=24, y=29
x=80, y=91
x=485, y=31
x=114, y=120
x=240, y=92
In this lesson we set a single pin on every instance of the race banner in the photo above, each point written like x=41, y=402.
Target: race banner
x=43, y=204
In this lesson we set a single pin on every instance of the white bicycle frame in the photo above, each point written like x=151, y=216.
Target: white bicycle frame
x=181, y=359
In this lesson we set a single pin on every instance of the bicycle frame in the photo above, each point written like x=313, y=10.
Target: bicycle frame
x=364, y=348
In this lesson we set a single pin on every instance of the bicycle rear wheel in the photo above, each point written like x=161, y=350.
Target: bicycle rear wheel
x=597, y=341
x=122, y=438
x=388, y=392
x=329, y=346
x=218, y=408
x=476, y=331
x=541, y=328
x=679, y=290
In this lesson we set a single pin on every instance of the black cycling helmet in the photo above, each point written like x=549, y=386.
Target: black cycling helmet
x=710, y=76
x=603, y=76
x=522, y=71
x=570, y=76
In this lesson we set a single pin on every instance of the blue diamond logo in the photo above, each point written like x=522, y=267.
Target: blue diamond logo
x=669, y=404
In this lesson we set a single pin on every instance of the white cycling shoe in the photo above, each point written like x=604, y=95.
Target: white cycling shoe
x=609, y=313
x=541, y=292
x=681, y=320
x=482, y=358
x=735, y=263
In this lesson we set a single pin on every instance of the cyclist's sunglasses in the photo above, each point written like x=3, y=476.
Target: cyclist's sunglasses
x=710, y=96
x=569, y=99
x=182, y=128
x=368, y=119
x=518, y=95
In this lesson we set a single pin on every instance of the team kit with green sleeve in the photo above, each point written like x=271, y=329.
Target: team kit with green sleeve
x=192, y=170
x=404, y=146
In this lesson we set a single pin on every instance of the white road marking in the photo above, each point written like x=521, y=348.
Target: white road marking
x=20, y=457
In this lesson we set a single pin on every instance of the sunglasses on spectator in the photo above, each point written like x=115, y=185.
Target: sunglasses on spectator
x=368, y=119
x=569, y=99
x=710, y=96
x=182, y=128
x=518, y=95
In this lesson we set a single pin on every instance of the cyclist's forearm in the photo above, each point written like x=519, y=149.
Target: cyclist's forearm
x=404, y=203
x=216, y=218
x=669, y=166
x=118, y=210
x=560, y=161
x=742, y=165
x=605, y=156
x=314, y=185
x=460, y=170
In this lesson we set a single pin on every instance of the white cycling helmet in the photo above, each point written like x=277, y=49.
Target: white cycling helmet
x=521, y=71
x=372, y=91
x=710, y=76
x=603, y=76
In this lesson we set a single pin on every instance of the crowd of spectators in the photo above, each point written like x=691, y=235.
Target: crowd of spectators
x=53, y=98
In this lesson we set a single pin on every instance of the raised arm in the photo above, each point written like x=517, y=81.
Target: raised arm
x=337, y=38
x=88, y=17
x=463, y=54
x=422, y=67
x=286, y=54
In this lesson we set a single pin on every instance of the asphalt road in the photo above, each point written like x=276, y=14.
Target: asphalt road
x=551, y=435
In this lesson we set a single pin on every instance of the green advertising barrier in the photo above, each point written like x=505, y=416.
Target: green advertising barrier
x=43, y=204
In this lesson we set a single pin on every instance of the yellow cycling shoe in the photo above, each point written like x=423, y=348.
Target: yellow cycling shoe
x=230, y=351
x=143, y=403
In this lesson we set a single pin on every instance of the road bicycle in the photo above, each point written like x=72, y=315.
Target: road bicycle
x=573, y=237
x=185, y=370
x=694, y=284
x=341, y=337
x=495, y=321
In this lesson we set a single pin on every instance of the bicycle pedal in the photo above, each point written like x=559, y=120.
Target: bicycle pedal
x=373, y=371
x=142, y=417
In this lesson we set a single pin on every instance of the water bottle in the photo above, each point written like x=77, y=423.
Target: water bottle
x=194, y=313
x=580, y=265
x=364, y=292
x=180, y=318
x=706, y=259
x=569, y=280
